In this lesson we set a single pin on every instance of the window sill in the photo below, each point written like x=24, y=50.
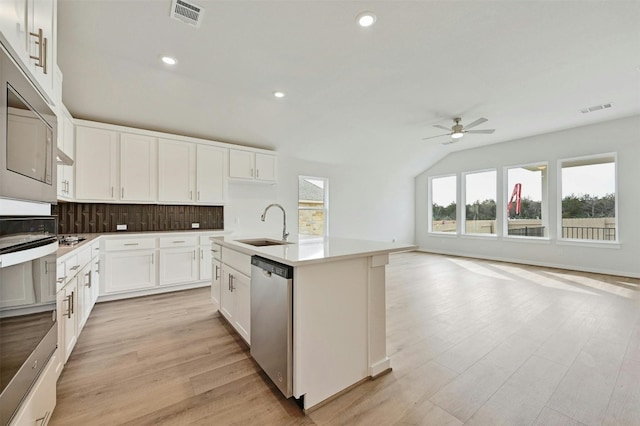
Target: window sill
x=442, y=234
x=589, y=243
x=527, y=240
x=480, y=236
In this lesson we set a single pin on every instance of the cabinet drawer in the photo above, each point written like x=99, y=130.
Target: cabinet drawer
x=237, y=260
x=178, y=241
x=84, y=256
x=216, y=251
x=130, y=244
x=95, y=249
x=205, y=240
x=71, y=267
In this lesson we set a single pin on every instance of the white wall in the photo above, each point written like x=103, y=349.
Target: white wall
x=363, y=202
x=621, y=136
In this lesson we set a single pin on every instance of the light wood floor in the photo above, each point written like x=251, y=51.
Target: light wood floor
x=471, y=341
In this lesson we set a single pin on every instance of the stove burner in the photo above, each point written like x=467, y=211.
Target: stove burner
x=71, y=240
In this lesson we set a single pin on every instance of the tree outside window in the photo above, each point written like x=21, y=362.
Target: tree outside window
x=588, y=204
x=443, y=204
x=480, y=202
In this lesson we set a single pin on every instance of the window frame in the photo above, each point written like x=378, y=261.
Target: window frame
x=324, y=209
x=463, y=197
x=544, y=208
x=585, y=242
x=430, y=205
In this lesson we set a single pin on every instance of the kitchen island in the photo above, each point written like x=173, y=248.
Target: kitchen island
x=339, y=316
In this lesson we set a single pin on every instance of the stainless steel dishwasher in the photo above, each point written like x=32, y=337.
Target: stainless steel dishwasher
x=272, y=320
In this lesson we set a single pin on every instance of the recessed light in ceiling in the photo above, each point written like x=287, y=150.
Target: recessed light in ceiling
x=169, y=60
x=279, y=94
x=366, y=19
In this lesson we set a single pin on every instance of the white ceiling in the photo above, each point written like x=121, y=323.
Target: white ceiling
x=366, y=95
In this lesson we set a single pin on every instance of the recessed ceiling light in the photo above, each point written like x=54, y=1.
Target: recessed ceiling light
x=279, y=94
x=169, y=60
x=366, y=19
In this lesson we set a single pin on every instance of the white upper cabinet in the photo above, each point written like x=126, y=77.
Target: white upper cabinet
x=266, y=167
x=210, y=171
x=40, y=22
x=66, y=142
x=138, y=167
x=176, y=171
x=252, y=166
x=96, y=164
x=26, y=28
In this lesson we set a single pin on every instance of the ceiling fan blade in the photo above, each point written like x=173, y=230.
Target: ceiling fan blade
x=437, y=136
x=439, y=126
x=486, y=132
x=475, y=123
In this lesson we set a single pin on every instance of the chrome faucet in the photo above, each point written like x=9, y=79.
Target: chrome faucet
x=285, y=234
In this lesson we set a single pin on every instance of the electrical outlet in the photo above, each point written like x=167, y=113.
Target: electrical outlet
x=195, y=225
x=122, y=227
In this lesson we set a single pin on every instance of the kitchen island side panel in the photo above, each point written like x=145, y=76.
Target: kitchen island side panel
x=330, y=326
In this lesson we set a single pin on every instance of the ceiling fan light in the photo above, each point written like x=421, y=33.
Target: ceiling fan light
x=457, y=135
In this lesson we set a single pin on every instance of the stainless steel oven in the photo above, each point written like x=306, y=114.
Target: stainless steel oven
x=27, y=138
x=28, y=329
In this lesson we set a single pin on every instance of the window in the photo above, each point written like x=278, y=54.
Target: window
x=443, y=204
x=526, y=201
x=588, y=205
x=480, y=202
x=313, y=209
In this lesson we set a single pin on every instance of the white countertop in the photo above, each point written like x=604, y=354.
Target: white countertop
x=313, y=250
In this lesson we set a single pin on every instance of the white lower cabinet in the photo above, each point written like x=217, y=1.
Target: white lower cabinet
x=179, y=265
x=235, y=291
x=67, y=318
x=129, y=270
x=205, y=263
x=41, y=400
x=216, y=282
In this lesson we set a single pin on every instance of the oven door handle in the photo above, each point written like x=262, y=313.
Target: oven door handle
x=22, y=256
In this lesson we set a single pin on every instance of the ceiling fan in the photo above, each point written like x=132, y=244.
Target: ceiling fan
x=458, y=130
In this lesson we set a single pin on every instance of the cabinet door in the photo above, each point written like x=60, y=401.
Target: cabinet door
x=13, y=25
x=96, y=164
x=138, y=163
x=241, y=164
x=227, y=297
x=67, y=144
x=266, y=169
x=41, y=399
x=176, y=171
x=85, y=285
x=211, y=182
x=178, y=266
x=205, y=263
x=67, y=325
x=216, y=282
x=129, y=270
x=40, y=16
x=241, y=287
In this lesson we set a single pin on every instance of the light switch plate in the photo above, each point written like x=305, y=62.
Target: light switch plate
x=195, y=225
x=121, y=227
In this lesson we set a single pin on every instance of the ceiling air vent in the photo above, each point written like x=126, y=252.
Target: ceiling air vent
x=595, y=108
x=186, y=12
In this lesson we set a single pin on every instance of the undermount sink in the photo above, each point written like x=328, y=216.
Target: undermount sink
x=262, y=242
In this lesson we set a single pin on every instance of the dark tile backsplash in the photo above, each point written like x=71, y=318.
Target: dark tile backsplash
x=80, y=218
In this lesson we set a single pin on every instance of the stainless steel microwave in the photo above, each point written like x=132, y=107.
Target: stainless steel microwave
x=28, y=130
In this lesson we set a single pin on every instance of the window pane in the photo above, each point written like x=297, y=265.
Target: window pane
x=311, y=206
x=480, y=200
x=589, y=199
x=443, y=207
x=524, y=207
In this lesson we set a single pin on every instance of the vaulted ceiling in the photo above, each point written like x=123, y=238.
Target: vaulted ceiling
x=353, y=94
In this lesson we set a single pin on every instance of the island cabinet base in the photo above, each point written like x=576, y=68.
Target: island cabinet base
x=339, y=330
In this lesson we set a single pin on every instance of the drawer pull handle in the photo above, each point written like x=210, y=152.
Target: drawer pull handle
x=73, y=268
x=178, y=241
x=131, y=244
